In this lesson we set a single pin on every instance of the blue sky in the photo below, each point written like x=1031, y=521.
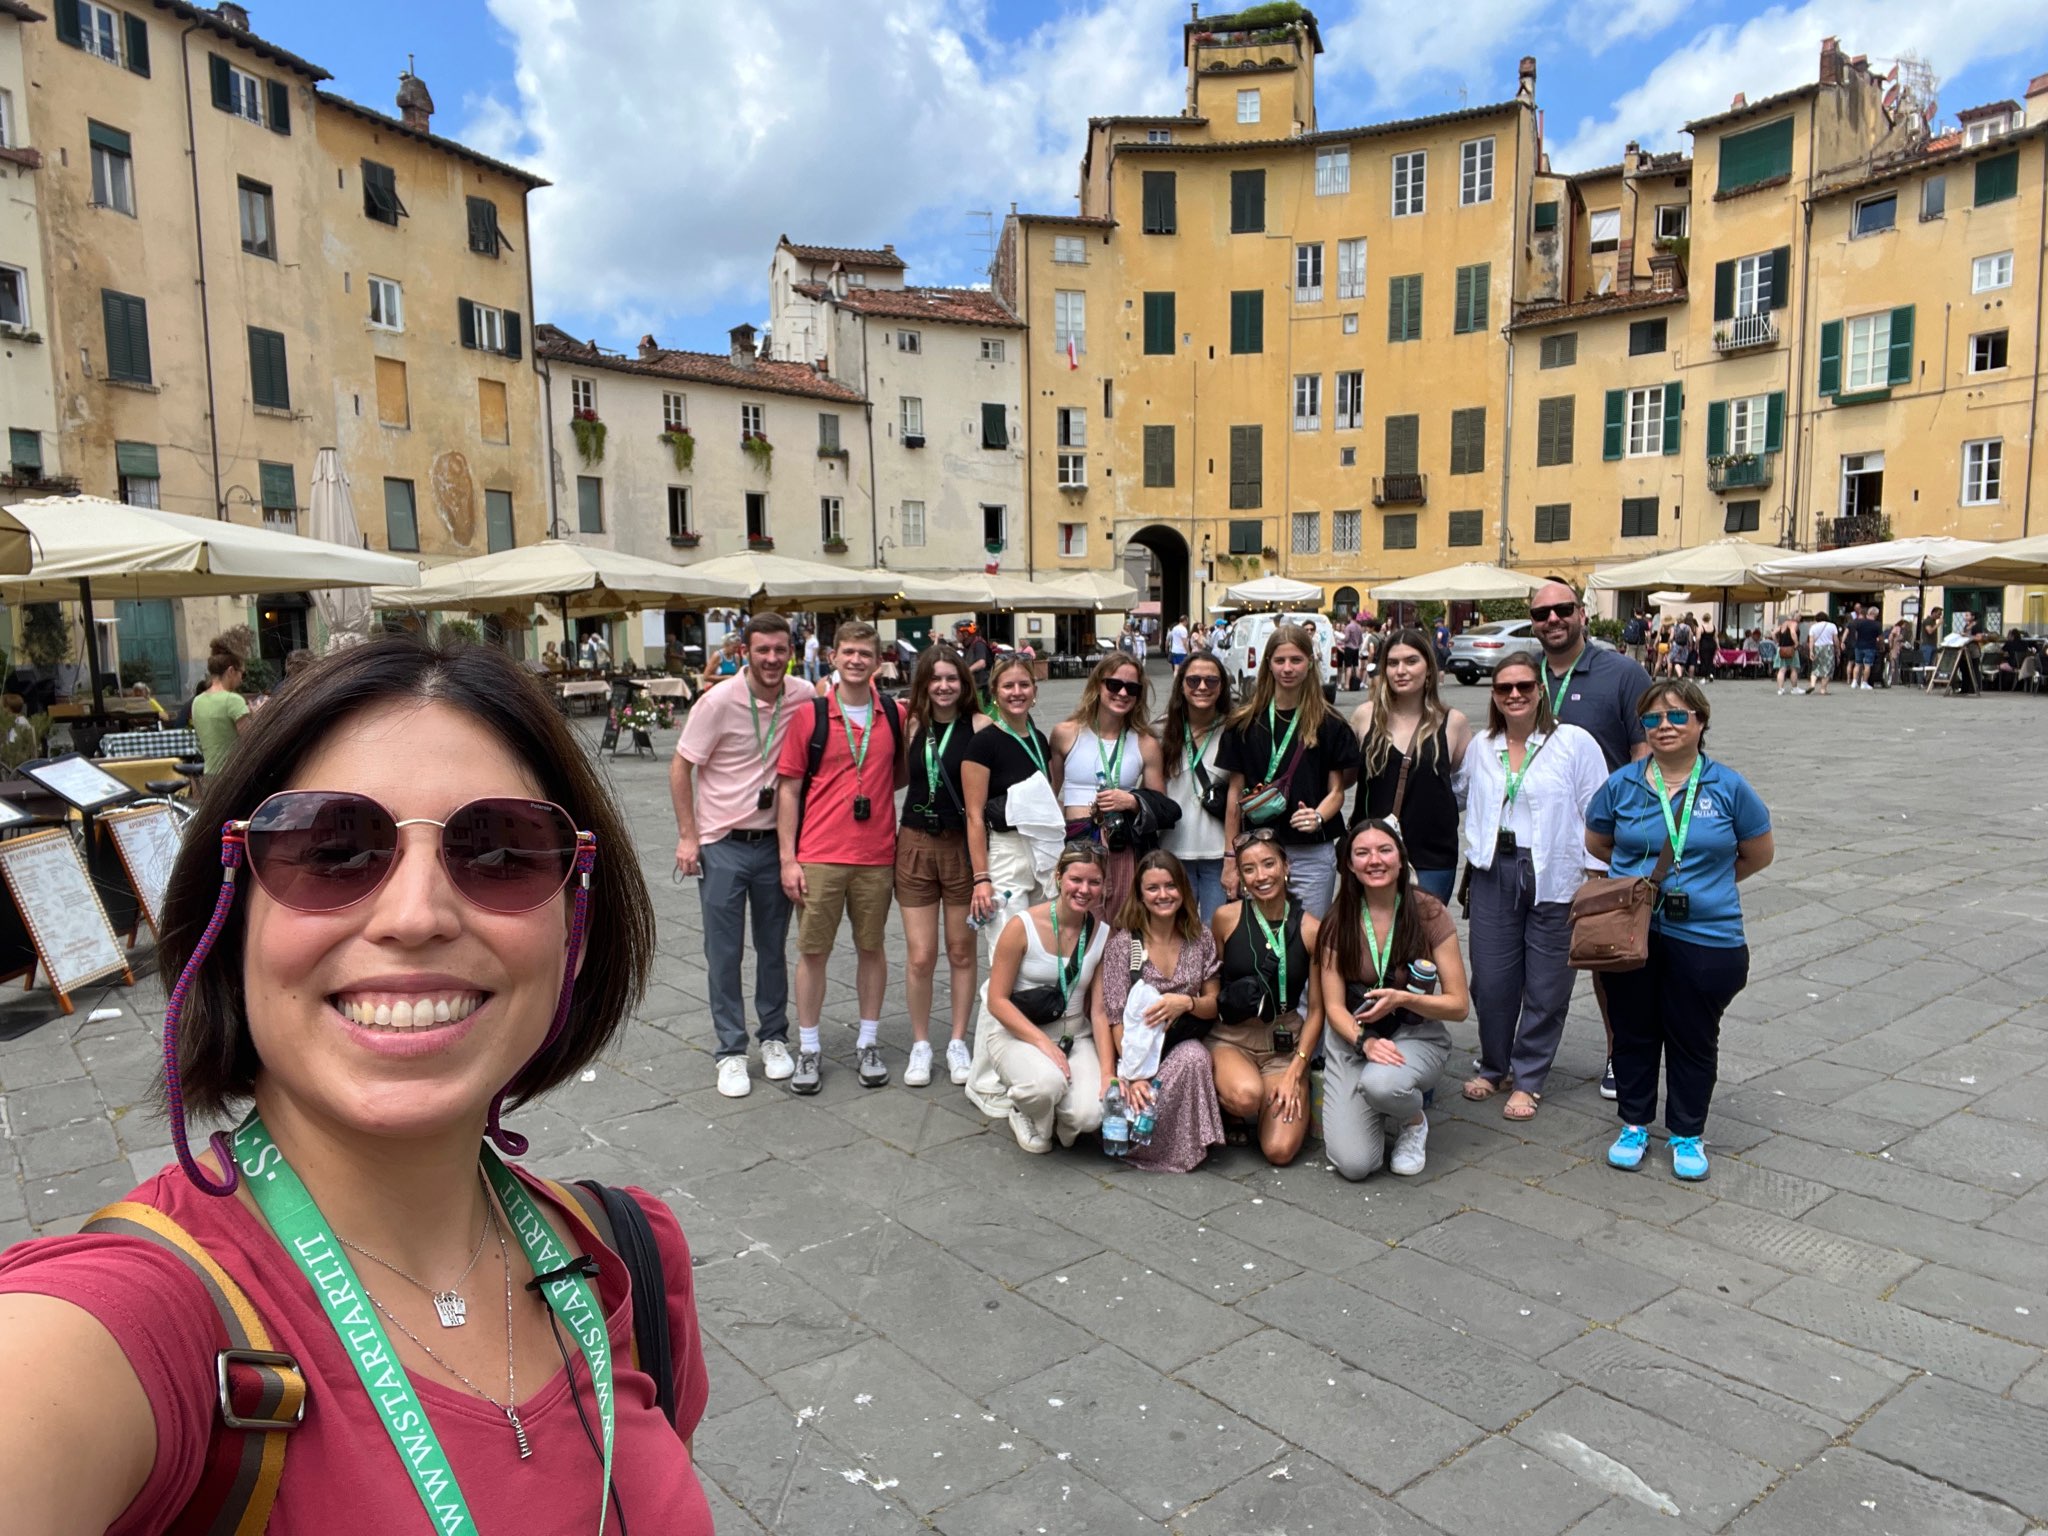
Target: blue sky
x=685, y=135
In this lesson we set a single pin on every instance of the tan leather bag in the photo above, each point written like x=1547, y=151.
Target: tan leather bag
x=1611, y=920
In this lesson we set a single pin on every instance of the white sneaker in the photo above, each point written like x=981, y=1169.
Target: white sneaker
x=733, y=1080
x=1410, y=1148
x=919, y=1070
x=959, y=1062
x=1030, y=1138
x=776, y=1062
x=1781, y=693
x=1798, y=690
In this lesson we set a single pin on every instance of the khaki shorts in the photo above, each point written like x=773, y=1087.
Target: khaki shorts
x=860, y=891
x=1256, y=1041
x=930, y=865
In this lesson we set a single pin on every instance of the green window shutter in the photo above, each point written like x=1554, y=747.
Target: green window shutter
x=1468, y=440
x=24, y=449
x=1717, y=429
x=465, y=316
x=1159, y=456
x=1759, y=155
x=1412, y=318
x=68, y=29
x=1616, y=424
x=1159, y=324
x=1781, y=277
x=107, y=138
x=995, y=426
x=223, y=82
x=1470, y=304
x=1247, y=202
x=1673, y=407
x=1397, y=309
x=280, y=487
x=1831, y=357
x=1160, y=210
x=269, y=382
x=1404, y=445
x=1774, y=423
x=280, y=106
x=511, y=326
x=1899, y=366
x=1998, y=178
x=127, y=323
x=1545, y=218
x=137, y=459
x=135, y=35
x=1248, y=321
x=1724, y=290
x=1247, y=468
x=1461, y=303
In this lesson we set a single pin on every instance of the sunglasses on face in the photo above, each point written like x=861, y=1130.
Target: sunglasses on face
x=1669, y=717
x=1121, y=686
x=1514, y=690
x=1199, y=683
x=321, y=850
x=1553, y=610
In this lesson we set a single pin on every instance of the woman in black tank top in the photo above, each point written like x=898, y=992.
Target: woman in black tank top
x=1405, y=724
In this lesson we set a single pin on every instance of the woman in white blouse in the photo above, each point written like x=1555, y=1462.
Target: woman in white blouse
x=1523, y=789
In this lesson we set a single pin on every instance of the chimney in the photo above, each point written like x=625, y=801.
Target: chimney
x=415, y=105
x=2037, y=99
x=1664, y=272
x=648, y=348
x=1525, y=83
x=1740, y=101
x=743, y=350
x=1831, y=61
x=236, y=16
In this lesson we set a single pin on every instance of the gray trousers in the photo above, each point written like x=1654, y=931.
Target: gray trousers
x=1361, y=1098
x=738, y=877
x=1521, y=983
x=1312, y=876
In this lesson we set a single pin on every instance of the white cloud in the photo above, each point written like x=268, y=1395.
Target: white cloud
x=1598, y=25
x=682, y=140
x=1781, y=49
x=1403, y=47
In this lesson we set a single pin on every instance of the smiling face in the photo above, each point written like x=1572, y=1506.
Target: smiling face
x=1080, y=886
x=944, y=688
x=1558, y=633
x=856, y=660
x=1668, y=740
x=1262, y=868
x=1015, y=693
x=1376, y=860
x=1160, y=892
x=1514, y=692
x=768, y=659
x=1201, y=683
x=400, y=1016
x=1120, y=691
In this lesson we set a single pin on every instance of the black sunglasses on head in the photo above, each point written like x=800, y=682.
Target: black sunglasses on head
x=1542, y=611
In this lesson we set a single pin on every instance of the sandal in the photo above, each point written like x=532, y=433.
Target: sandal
x=1480, y=1088
x=1236, y=1133
x=1521, y=1105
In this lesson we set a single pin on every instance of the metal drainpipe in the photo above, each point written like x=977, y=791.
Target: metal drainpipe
x=874, y=511
x=220, y=510
x=2034, y=394
x=540, y=366
x=547, y=438
x=1021, y=258
x=1507, y=446
x=1798, y=350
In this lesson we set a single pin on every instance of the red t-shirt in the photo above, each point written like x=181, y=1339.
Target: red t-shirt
x=830, y=835
x=340, y=1458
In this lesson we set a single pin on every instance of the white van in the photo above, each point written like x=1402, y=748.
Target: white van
x=1247, y=642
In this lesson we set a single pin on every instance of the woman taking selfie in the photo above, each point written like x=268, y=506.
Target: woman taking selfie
x=1160, y=941
x=1409, y=747
x=1523, y=787
x=402, y=957
x=1271, y=1000
x=934, y=869
x=1287, y=755
x=1393, y=981
x=1012, y=752
x=1195, y=712
x=1035, y=1064
x=1719, y=832
x=1107, y=748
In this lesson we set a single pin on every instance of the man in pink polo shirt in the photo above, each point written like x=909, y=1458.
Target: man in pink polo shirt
x=725, y=834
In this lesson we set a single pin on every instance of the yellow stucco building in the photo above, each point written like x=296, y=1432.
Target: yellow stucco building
x=244, y=269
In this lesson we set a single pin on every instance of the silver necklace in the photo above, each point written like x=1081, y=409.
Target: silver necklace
x=510, y=1407
x=449, y=1304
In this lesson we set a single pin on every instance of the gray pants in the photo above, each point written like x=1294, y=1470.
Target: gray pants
x=1362, y=1098
x=1312, y=876
x=1521, y=983
x=739, y=876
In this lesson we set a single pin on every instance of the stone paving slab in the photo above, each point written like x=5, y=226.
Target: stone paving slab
x=1841, y=1331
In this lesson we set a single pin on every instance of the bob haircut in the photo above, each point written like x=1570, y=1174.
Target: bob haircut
x=1520, y=661
x=217, y=1063
x=1684, y=691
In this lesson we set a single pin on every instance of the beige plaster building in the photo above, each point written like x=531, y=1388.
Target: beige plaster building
x=28, y=400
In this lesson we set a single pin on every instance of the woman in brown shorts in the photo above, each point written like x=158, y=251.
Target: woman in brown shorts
x=1272, y=1000
x=933, y=872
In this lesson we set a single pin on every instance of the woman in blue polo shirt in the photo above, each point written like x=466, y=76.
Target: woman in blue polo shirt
x=1720, y=833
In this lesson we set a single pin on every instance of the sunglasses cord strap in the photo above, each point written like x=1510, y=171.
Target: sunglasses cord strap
x=511, y=1143
x=232, y=846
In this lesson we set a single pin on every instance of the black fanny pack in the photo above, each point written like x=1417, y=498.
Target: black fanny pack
x=1040, y=1005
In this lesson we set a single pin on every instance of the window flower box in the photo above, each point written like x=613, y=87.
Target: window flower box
x=760, y=541
x=589, y=433
x=682, y=445
x=755, y=445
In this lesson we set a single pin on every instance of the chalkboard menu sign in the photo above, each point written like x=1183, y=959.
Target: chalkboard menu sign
x=57, y=904
x=148, y=842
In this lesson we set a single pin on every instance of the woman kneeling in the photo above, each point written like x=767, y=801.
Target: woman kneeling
x=1395, y=982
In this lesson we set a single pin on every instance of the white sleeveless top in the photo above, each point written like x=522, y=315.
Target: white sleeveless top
x=1040, y=967
x=1083, y=777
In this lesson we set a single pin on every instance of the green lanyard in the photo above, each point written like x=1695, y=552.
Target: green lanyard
x=1515, y=776
x=1683, y=825
x=301, y=1229
x=1372, y=941
x=1195, y=749
x=1557, y=693
x=1067, y=974
x=1028, y=740
x=859, y=753
x=1109, y=767
x=932, y=762
x=1276, y=944
x=1279, y=748
x=764, y=745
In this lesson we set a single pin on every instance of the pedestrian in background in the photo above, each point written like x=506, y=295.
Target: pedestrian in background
x=1821, y=641
x=220, y=714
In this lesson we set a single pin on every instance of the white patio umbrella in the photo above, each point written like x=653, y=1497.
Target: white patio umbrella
x=138, y=552
x=1471, y=582
x=331, y=518
x=1274, y=592
x=1893, y=563
x=1091, y=592
x=759, y=575
x=1724, y=568
x=2009, y=560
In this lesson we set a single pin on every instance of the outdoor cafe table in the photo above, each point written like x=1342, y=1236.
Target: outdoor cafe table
x=586, y=688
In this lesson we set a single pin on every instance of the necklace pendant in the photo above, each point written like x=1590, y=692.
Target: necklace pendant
x=519, y=1430
x=451, y=1309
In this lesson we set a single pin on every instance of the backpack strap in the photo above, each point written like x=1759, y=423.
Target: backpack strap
x=261, y=1392
x=616, y=1220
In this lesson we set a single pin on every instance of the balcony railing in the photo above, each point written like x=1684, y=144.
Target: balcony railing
x=1740, y=471
x=280, y=522
x=1863, y=528
x=1757, y=330
x=1399, y=490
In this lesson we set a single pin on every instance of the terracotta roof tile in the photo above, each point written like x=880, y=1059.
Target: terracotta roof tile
x=1140, y=119
x=1325, y=136
x=19, y=11
x=1989, y=109
x=1751, y=108
x=1949, y=149
x=211, y=21
x=399, y=126
x=963, y=306
x=850, y=255
x=1085, y=220
x=764, y=376
x=1591, y=309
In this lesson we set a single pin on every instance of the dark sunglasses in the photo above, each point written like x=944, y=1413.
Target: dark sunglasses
x=321, y=850
x=1553, y=610
x=1669, y=717
x=1123, y=686
x=1514, y=690
x=1202, y=680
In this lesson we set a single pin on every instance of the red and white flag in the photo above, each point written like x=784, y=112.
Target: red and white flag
x=1073, y=353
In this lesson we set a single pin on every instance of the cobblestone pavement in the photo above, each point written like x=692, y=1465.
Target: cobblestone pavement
x=913, y=1326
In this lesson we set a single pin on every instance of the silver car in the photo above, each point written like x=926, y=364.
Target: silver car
x=1476, y=652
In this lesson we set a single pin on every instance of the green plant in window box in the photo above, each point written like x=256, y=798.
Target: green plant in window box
x=835, y=546
x=761, y=541
x=680, y=444
x=686, y=540
x=589, y=433
x=755, y=445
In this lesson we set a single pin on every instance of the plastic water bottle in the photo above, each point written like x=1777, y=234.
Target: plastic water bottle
x=1421, y=977
x=1143, y=1123
x=1116, y=1125
x=1002, y=902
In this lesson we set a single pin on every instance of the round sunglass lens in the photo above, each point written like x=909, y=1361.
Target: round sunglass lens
x=320, y=850
x=509, y=855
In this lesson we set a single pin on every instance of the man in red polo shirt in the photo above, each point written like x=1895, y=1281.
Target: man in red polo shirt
x=836, y=825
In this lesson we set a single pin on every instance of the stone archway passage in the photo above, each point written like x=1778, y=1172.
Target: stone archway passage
x=1170, y=553
x=1344, y=601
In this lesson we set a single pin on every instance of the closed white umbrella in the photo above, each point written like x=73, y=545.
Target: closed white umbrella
x=1274, y=592
x=331, y=518
x=1470, y=583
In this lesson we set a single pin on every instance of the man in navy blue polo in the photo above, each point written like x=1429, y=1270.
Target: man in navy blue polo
x=1597, y=690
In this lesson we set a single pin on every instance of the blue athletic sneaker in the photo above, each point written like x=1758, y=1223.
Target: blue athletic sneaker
x=1629, y=1147
x=1688, y=1158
